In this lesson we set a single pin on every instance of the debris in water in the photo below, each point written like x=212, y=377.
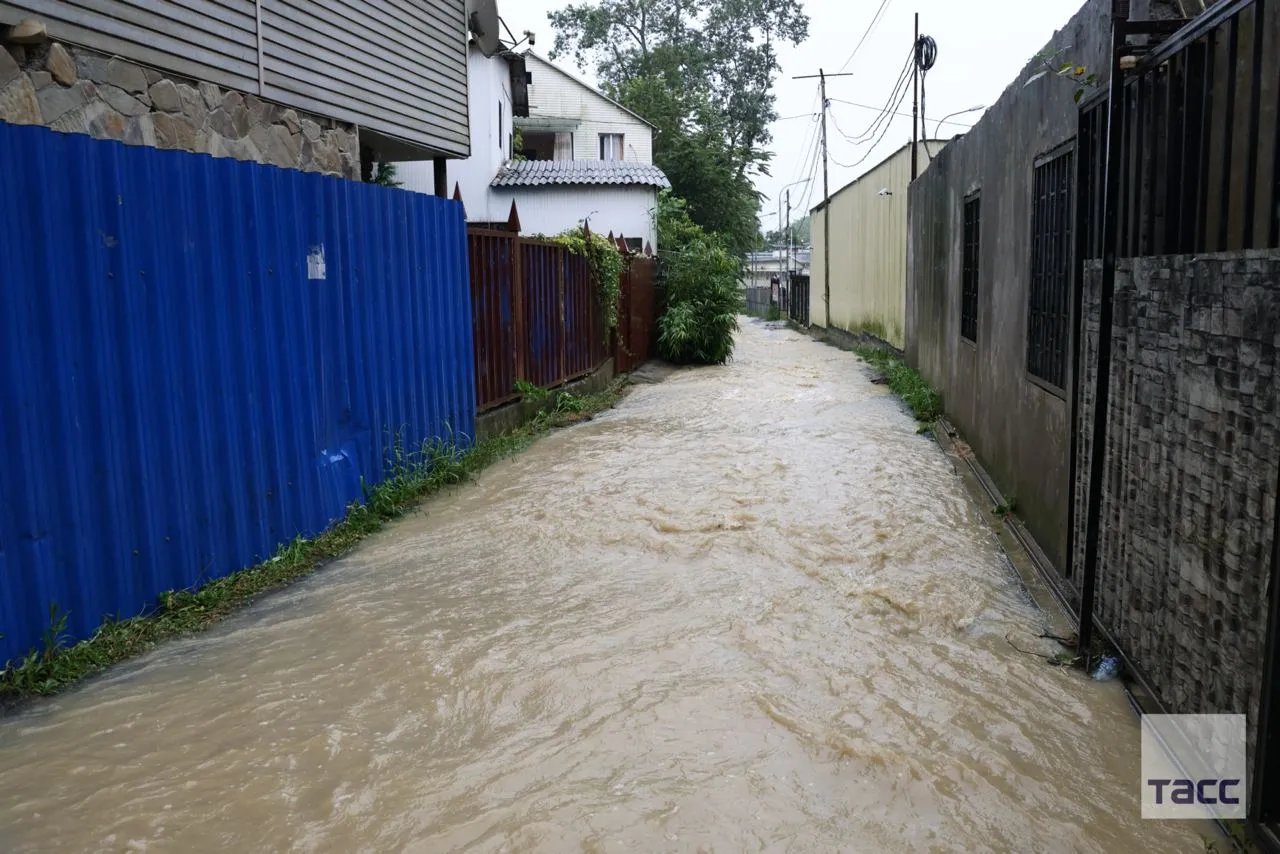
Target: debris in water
x=1108, y=668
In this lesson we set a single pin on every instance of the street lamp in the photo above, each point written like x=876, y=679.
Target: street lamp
x=786, y=265
x=938, y=131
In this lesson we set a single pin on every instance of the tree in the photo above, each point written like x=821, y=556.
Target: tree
x=799, y=233
x=701, y=293
x=702, y=72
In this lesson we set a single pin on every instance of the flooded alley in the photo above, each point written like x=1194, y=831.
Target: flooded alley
x=749, y=609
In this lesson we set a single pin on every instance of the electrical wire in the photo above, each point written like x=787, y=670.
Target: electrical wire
x=884, y=4
x=926, y=55
x=946, y=121
x=808, y=164
x=806, y=161
x=898, y=87
x=883, y=134
x=813, y=133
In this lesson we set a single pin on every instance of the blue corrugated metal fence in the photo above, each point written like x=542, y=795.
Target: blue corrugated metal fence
x=201, y=359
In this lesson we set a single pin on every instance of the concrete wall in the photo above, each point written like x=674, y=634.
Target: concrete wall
x=868, y=251
x=1018, y=429
x=397, y=71
x=557, y=96
x=626, y=211
x=1193, y=461
x=77, y=90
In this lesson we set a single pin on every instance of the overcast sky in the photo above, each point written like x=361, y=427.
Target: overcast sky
x=981, y=47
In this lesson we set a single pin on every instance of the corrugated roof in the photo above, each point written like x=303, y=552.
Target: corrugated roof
x=537, y=173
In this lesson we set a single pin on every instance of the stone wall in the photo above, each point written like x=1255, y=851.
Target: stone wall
x=1193, y=462
x=75, y=90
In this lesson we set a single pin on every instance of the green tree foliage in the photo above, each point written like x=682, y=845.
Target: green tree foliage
x=799, y=234
x=702, y=72
x=606, y=267
x=385, y=175
x=701, y=294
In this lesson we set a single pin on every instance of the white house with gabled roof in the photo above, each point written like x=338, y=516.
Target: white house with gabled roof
x=569, y=154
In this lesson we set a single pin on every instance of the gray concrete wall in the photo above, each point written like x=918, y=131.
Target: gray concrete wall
x=1018, y=429
x=1193, y=462
x=76, y=90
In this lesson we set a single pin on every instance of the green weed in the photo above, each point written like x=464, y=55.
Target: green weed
x=413, y=475
x=529, y=391
x=906, y=382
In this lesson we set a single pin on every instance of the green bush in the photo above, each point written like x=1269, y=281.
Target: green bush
x=701, y=295
x=606, y=267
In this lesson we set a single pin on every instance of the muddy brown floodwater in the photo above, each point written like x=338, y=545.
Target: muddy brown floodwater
x=749, y=609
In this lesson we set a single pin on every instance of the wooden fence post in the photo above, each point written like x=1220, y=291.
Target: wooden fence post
x=520, y=328
x=562, y=261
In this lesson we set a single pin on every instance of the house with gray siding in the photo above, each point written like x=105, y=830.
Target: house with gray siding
x=329, y=87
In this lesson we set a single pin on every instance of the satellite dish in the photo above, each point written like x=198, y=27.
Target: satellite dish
x=482, y=20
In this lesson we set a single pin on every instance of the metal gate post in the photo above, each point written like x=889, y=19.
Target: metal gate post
x=1098, y=445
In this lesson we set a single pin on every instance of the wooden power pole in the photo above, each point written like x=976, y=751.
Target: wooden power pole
x=826, y=190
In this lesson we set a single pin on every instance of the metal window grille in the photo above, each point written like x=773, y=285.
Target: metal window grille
x=1051, y=249
x=969, y=284
x=1199, y=169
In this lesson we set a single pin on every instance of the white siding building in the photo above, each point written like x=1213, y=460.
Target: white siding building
x=571, y=120
x=585, y=157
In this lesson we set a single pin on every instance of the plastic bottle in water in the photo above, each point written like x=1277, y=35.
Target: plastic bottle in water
x=1108, y=668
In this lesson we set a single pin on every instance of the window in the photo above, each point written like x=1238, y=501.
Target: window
x=501, y=135
x=969, y=282
x=1049, y=308
x=611, y=146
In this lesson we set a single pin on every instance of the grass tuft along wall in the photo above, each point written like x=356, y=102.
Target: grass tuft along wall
x=201, y=359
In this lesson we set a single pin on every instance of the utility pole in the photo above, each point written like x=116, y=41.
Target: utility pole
x=826, y=191
x=915, y=101
x=787, y=257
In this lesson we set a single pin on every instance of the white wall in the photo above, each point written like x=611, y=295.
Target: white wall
x=489, y=84
x=555, y=94
x=626, y=211
x=868, y=251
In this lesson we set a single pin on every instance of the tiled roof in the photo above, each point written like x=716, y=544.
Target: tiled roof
x=537, y=173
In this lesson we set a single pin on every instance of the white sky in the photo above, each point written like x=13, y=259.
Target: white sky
x=982, y=45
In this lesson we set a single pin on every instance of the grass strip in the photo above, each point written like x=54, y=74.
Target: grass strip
x=178, y=613
x=906, y=382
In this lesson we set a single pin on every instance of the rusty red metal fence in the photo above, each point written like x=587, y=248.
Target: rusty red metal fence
x=637, y=312
x=537, y=314
x=495, y=308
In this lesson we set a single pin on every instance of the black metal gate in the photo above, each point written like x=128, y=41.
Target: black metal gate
x=798, y=299
x=1192, y=168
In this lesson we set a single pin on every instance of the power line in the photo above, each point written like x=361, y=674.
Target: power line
x=874, y=127
x=883, y=134
x=813, y=131
x=874, y=20
x=808, y=147
x=826, y=191
x=966, y=125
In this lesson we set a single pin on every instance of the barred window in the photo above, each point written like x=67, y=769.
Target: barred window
x=969, y=282
x=1049, y=307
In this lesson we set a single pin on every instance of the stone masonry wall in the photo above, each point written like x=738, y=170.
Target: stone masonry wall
x=1193, y=461
x=76, y=90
